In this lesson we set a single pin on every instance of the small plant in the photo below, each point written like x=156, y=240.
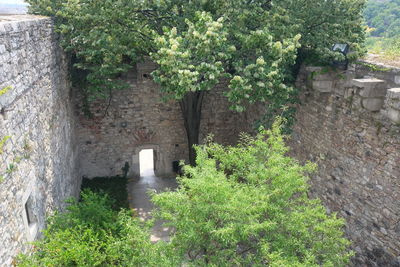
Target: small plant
x=2, y=142
x=27, y=149
x=5, y=90
x=11, y=168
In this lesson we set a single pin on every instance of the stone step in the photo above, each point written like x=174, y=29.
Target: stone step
x=370, y=87
x=394, y=93
x=368, y=82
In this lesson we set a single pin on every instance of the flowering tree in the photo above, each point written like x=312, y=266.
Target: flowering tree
x=254, y=44
x=194, y=60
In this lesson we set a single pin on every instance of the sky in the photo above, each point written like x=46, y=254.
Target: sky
x=11, y=2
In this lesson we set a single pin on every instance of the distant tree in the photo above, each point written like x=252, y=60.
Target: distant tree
x=384, y=17
x=258, y=45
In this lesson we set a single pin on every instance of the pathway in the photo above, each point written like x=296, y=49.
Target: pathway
x=140, y=200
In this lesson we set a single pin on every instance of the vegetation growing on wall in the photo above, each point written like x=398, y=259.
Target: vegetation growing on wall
x=5, y=90
x=2, y=142
x=240, y=206
x=257, y=47
x=18, y=157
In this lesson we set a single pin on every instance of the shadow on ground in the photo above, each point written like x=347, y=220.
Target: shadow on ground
x=139, y=200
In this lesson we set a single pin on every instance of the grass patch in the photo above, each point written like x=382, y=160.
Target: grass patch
x=386, y=50
x=115, y=187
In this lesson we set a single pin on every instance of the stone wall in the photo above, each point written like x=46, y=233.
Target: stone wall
x=137, y=118
x=348, y=122
x=38, y=155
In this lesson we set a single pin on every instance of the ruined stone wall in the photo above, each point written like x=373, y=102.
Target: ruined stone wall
x=38, y=168
x=348, y=122
x=137, y=118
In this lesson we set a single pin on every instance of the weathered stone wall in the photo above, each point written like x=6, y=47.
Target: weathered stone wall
x=38, y=168
x=136, y=118
x=348, y=122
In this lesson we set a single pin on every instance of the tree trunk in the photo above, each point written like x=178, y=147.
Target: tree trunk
x=191, y=106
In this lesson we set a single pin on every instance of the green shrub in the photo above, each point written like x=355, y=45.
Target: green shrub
x=115, y=187
x=91, y=233
x=248, y=206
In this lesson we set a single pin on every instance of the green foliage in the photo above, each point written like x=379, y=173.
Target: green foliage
x=18, y=157
x=373, y=67
x=12, y=167
x=107, y=37
x=386, y=48
x=2, y=142
x=383, y=17
x=192, y=60
x=5, y=90
x=91, y=233
x=322, y=24
x=104, y=37
x=115, y=187
x=248, y=206
x=241, y=206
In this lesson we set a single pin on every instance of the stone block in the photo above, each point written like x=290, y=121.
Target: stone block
x=397, y=79
x=394, y=93
x=313, y=69
x=370, y=87
x=323, y=86
x=372, y=104
x=393, y=98
x=393, y=115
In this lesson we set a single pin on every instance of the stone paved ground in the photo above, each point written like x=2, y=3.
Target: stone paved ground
x=140, y=201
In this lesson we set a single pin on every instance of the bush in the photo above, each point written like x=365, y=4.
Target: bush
x=91, y=233
x=115, y=187
x=248, y=206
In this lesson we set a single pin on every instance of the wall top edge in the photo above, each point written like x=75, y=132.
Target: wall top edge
x=380, y=65
x=7, y=20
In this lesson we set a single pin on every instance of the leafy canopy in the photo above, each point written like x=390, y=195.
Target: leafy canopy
x=193, y=60
x=108, y=36
x=199, y=56
x=383, y=17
